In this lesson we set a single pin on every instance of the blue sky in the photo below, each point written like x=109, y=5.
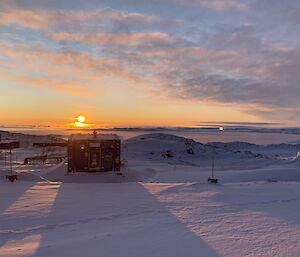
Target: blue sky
x=168, y=62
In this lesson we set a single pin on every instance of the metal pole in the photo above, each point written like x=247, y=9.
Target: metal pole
x=213, y=166
x=10, y=161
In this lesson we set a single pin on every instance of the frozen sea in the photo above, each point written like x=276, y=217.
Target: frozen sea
x=203, y=136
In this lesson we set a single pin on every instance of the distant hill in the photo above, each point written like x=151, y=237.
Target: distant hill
x=27, y=140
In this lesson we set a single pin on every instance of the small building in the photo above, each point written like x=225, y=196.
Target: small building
x=94, y=153
x=9, y=144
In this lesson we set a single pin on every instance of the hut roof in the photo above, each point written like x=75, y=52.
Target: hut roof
x=94, y=137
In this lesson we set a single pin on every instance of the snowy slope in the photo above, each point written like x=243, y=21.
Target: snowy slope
x=186, y=151
x=161, y=207
x=150, y=219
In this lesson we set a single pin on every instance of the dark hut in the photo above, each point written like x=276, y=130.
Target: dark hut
x=93, y=153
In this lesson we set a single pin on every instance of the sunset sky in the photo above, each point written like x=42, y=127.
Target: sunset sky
x=148, y=63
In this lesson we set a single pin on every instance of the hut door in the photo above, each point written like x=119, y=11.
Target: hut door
x=94, y=159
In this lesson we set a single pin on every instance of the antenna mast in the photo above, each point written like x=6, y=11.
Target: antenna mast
x=213, y=166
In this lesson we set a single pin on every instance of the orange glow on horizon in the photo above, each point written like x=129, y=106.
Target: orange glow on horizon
x=80, y=122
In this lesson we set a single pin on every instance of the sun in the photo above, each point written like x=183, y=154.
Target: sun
x=81, y=119
x=80, y=122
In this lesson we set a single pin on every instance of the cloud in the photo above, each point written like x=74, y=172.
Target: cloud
x=223, y=5
x=68, y=72
x=67, y=86
x=237, y=123
x=237, y=67
x=240, y=53
x=71, y=87
x=128, y=39
x=215, y=5
x=238, y=37
x=223, y=89
x=68, y=20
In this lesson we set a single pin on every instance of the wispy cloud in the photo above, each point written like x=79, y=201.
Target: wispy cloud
x=223, y=5
x=232, y=52
x=68, y=72
x=127, y=39
x=241, y=124
x=58, y=20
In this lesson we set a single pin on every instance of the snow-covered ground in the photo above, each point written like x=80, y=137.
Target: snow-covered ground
x=162, y=206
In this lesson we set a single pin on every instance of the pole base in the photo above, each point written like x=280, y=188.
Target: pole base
x=11, y=178
x=213, y=180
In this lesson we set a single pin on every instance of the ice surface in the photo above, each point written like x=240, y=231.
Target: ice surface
x=161, y=207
